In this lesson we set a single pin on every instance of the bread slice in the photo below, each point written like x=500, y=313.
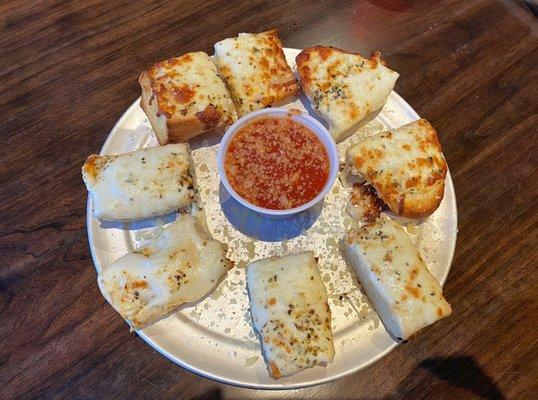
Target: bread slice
x=344, y=88
x=405, y=166
x=141, y=184
x=255, y=69
x=181, y=265
x=404, y=293
x=184, y=97
x=288, y=303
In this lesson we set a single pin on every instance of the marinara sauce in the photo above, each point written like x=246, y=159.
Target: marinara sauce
x=276, y=163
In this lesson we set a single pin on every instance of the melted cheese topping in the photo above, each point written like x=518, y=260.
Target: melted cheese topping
x=255, y=69
x=142, y=184
x=189, y=86
x=290, y=311
x=181, y=265
x=405, y=166
x=364, y=206
x=404, y=293
x=343, y=87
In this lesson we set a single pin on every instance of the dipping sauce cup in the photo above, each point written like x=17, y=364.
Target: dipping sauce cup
x=308, y=122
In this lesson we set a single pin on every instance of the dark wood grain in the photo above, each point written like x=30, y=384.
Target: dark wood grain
x=68, y=70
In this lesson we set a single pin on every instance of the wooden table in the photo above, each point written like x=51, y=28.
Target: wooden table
x=69, y=70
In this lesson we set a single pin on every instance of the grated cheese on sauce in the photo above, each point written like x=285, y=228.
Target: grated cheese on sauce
x=276, y=163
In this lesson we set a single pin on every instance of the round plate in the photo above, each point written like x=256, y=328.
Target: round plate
x=215, y=338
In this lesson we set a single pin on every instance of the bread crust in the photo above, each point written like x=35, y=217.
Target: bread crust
x=424, y=204
x=174, y=108
x=149, y=105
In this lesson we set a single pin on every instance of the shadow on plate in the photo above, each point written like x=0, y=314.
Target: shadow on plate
x=262, y=228
x=205, y=140
x=139, y=224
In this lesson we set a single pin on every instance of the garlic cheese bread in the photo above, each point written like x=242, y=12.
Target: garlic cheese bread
x=405, y=166
x=344, y=88
x=141, y=184
x=288, y=303
x=255, y=69
x=391, y=271
x=184, y=97
x=181, y=265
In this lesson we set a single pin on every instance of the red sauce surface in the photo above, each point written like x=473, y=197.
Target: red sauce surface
x=276, y=163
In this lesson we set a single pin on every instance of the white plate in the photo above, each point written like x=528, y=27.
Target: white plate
x=215, y=338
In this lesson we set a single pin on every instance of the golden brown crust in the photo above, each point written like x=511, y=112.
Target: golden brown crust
x=273, y=33
x=275, y=372
x=420, y=206
x=172, y=102
x=180, y=131
x=93, y=166
x=150, y=108
x=324, y=51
